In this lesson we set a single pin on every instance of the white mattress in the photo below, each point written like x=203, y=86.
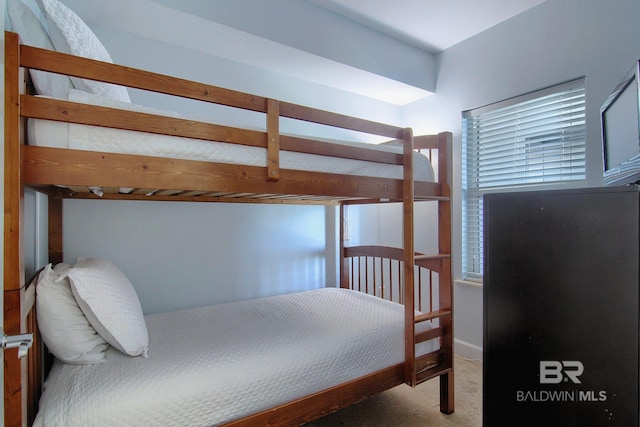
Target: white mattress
x=213, y=364
x=84, y=137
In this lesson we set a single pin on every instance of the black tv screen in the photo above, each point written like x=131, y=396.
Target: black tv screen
x=621, y=131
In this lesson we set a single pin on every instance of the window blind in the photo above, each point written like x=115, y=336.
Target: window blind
x=535, y=139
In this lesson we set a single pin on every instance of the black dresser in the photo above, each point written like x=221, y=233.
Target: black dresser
x=561, y=278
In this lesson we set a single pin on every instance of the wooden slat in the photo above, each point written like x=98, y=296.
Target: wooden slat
x=432, y=262
x=346, y=122
x=140, y=79
x=426, y=142
x=273, y=140
x=144, y=191
x=75, y=167
x=79, y=188
x=331, y=149
x=168, y=192
x=432, y=315
x=293, y=200
x=430, y=257
x=67, y=111
x=41, y=59
x=53, y=109
x=429, y=334
x=374, y=251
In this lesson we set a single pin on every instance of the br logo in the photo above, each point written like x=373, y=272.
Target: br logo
x=555, y=372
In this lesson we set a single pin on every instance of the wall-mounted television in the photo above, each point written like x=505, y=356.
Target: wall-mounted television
x=620, y=120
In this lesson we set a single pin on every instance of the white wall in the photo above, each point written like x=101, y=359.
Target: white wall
x=181, y=255
x=551, y=43
x=289, y=21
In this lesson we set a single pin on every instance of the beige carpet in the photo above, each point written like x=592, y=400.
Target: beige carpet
x=406, y=406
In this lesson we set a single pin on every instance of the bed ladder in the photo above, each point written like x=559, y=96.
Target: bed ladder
x=422, y=368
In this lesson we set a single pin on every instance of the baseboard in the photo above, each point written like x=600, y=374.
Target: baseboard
x=468, y=350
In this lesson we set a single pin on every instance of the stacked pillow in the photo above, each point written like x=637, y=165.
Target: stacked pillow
x=67, y=33
x=83, y=309
x=26, y=24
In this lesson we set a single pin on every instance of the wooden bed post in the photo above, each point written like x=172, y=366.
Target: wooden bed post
x=446, y=276
x=55, y=230
x=15, y=409
x=344, y=267
x=409, y=258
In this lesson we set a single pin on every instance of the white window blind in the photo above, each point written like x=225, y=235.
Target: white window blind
x=535, y=139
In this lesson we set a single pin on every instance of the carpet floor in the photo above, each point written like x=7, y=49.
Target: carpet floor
x=418, y=407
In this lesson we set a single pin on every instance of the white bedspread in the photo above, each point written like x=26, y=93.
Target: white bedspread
x=83, y=137
x=213, y=364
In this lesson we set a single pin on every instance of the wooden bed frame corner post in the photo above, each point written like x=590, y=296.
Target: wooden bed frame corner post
x=409, y=258
x=343, y=260
x=55, y=229
x=15, y=369
x=445, y=165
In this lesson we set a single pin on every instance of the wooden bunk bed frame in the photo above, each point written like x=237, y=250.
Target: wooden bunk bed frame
x=181, y=180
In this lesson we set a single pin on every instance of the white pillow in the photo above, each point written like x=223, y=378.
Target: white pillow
x=26, y=24
x=111, y=304
x=70, y=34
x=64, y=328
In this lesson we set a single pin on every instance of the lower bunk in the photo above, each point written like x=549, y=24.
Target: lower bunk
x=279, y=360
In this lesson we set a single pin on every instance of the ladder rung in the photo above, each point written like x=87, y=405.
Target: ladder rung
x=429, y=334
x=430, y=257
x=432, y=315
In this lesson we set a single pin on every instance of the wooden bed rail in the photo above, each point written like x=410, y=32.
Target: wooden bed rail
x=72, y=112
x=21, y=57
x=378, y=270
x=46, y=60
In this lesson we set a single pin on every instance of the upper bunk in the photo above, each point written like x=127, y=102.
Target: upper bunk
x=270, y=167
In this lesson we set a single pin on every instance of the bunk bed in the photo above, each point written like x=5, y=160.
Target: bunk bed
x=418, y=285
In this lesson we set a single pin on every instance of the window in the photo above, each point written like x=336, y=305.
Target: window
x=531, y=141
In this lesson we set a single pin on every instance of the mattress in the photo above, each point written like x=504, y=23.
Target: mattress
x=94, y=138
x=213, y=364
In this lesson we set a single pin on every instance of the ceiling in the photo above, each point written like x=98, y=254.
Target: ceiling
x=433, y=25
x=382, y=49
